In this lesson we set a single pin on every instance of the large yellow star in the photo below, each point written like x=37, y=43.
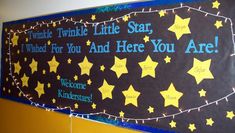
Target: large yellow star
x=17, y=67
x=230, y=114
x=53, y=64
x=119, y=66
x=171, y=96
x=131, y=96
x=85, y=66
x=192, y=127
x=106, y=90
x=40, y=89
x=24, y=80
x=14, y=39
x=215, y=4
x=34, y=66
x=201, y=70
x=148, y=67
x=209, y=122
x=180, y=27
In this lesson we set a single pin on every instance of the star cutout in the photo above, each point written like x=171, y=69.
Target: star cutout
x=151, y=109
x=172, y=124
x=230, y=114
x=53, y=64
x=54, y=24
x=17, y=67
x=93, y=17
x=148, y=67
x=125, y=18
x=69, y=61
x=9, y=91
x=88, y=42
x=201, y=70
x=40, y=89
x=58, y=77
x=218, y=24
x=191, y=127
x=48, y=85
x=93, y=106
x=121, y=114
x=75, y=105
x=146, y=39
x=75, y=77
x=180, y=27
x=14, y=39
x=89, y=81
x=202, y=93
x=102, y=68
x=26, y=39
x=106, y=90
x=49, y=42
x=44, y=71
x=209, y=122
x=85, y=66
x=167, y=59
x=162, y=13
x=215, y=4
x=119, y=66
x=53, y=100
x=131, y=96
x=171, y=96
x=25, y=59
x=34, y=66
x=24, y=80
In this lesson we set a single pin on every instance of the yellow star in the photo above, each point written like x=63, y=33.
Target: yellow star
x=192, y=127
x=106, y=90
x=171, y=96
x=48, y=85
x=93, y=106
x=88, y=42
x=5, y=29
x=9, y=91
x=167, y=59
x=75, y=105
x=121, y=114
x=26, y=39
x=40, y=89
x=102, y=68
x=131, y=96
x=58, y=77
x=69, y=61
x=119, y=66
x=49, y=42
x=180, y=27
x=17, y=67
x=215, y=4
x=201, y=70
x=44, y=71
x=162, y=13
x=75, y=77
x=172, y=124
x=85, y=66
x=89, y=81
x=202, y=93
x=24, y=80
x=230, y=114
x=218, y=24
x=93, y=17
x=54, y=24
x=53, y=64
x=14, y=39
x=209, y=122
x=146, y=39
x=25, y=59
x=7, y=79
x=148, y=67
x=125, y=18
x=34, y=66
x=151, y=109
x=53, y=100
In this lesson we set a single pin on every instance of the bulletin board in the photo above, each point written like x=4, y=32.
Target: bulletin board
x=159, y=66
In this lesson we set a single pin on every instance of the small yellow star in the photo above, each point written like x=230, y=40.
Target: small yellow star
x=9, y=91
x=93, y=17
x=48, y=85
x=93, y=106
x=75, y=77
x=18, y=51
x=146, y=38
x=53, y=100
x=53, y=64
x=202, y=93
x=26, y=39
x=85, y=66
x=215, y=4
x=125, y=18
x=167, y=59
x=69, y=61
x=49, y=42
x=7, y=79
x=89, y=81
x=102, y=67
x=172, y=124
x=25, y=59
x=131, y=96
x=58, y=77
x=24, y=80
x=40, y=89
x=218, y=24
x=54, y=24
x=209, y=122
x=151, y=109
x=44, y=71
x=162, y=13
x=4, y=89
x=75, y=105
x=14, y=39
x=230, y=114
x=88, y=42
x=192, y=127
x=17, y=67
x=121, y=114
x=5, y=29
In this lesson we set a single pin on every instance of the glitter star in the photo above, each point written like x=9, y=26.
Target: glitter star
x=172, y=124
x=215, y=4
x=40, y=89
x=131, y=96
x=202, y=93
x=230, y=114
x=167, y=59
x=85, y=66
x=150, y=109
x=209, y=122
x=146, y=39
x=218, y=24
